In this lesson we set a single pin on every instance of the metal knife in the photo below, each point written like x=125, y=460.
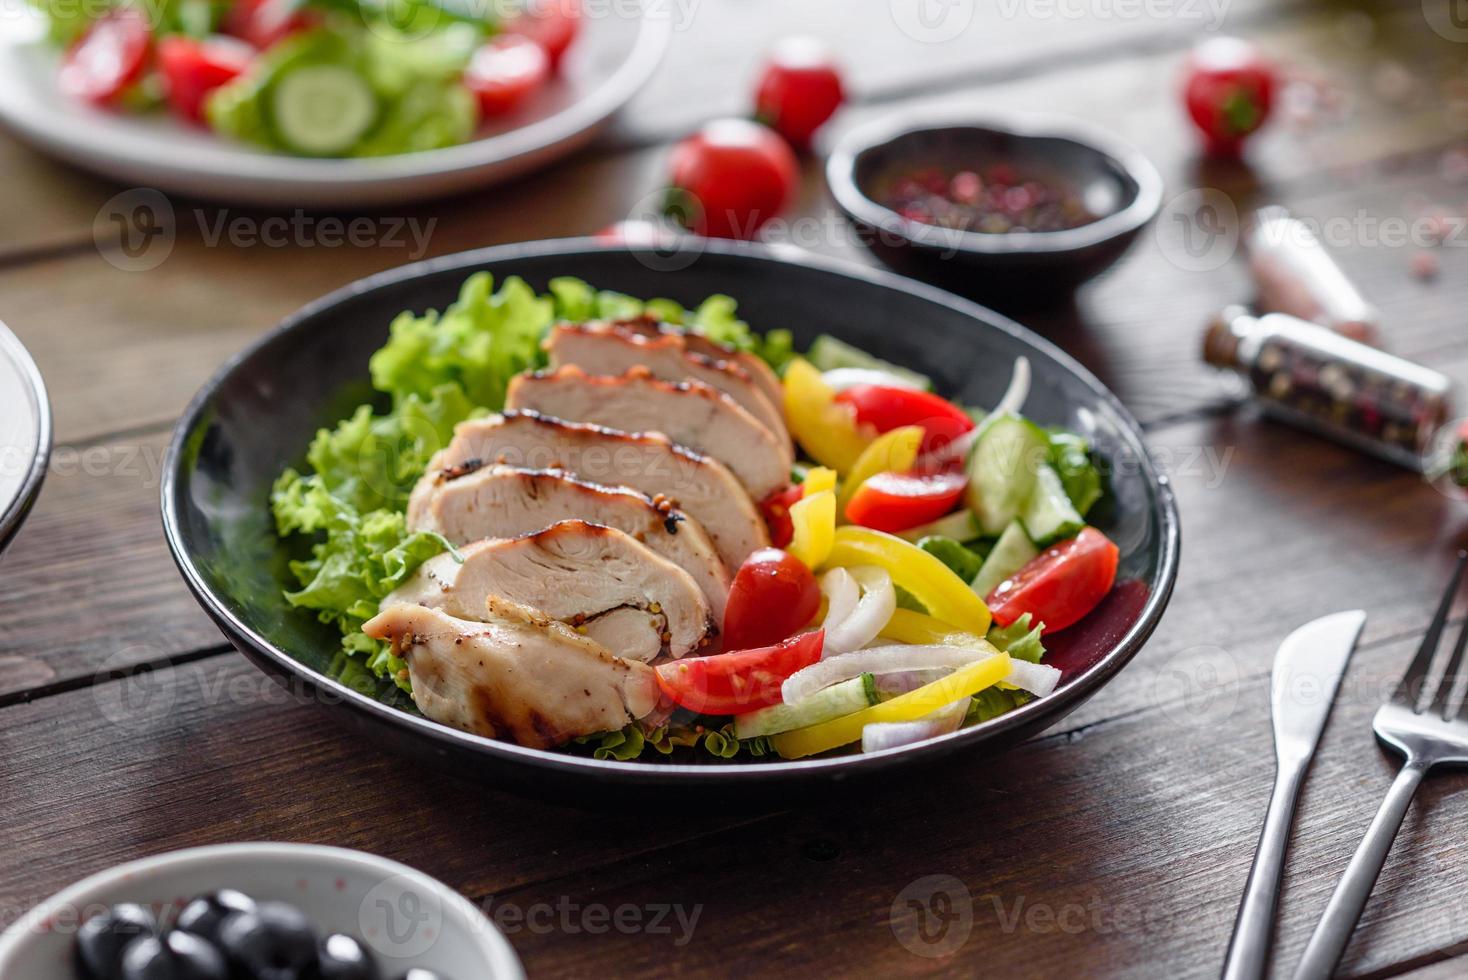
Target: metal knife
x=1307, y=672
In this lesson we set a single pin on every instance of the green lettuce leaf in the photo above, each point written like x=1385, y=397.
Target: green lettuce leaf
x=1070, y=455
x=963, y=562
x=1019, y=639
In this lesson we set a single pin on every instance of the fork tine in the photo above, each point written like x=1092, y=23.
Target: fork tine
x=1409, y=689
x=1442, y=701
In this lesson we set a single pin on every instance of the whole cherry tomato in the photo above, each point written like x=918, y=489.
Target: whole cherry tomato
x=504, y=72
x=734, y=176
x=773, y=595
x=799, y=90
x=1066, y=581
x=553, y=24
x=1228, y=88
x=192, y=68
x=108, y=58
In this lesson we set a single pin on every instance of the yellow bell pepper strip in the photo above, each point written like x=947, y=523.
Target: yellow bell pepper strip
x=891, y=452
x=942, y=593
x=907, y=626
x=825, y=429
x=962, y=683
x=819, y=478
x=813, y=518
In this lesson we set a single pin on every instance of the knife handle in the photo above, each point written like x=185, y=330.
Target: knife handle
x=1248, y=951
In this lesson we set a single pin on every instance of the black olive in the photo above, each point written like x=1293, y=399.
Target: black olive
x=274, y=942
x=101, y=939
x=342, y=957
x=205, y=914
x=177, y=956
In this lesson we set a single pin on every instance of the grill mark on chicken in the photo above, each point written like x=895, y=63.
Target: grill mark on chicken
x=760, y=372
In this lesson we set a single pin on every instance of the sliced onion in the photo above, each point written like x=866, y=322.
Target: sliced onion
x=840, y=379
x=842, y=593
x=1010, y=403
x=873, y=610
x=894, y=734
x=1038, y=679
x=891, y=685
x=877, y=660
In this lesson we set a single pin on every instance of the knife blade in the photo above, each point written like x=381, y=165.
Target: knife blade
x=1308, y=668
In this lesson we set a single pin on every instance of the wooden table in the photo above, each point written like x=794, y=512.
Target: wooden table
x=1116, y=844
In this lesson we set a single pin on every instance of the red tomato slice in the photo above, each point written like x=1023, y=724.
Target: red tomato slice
x=776, y=508
x=773, y=595
x=1061, y=585
x=504, y=72
x=108, y=58
x=894, y=502
x=733, y=683
x=264, y=22
x=192, y=69
x=887, y=408
x=553, y=24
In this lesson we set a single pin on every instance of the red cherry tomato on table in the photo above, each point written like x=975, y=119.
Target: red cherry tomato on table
x=108, y=58
x=799, y=90
x=895, y=502
x=505, y=71
x=1061, y=585
x=733, y=683
x=553, y=24
x=264, y=22
x=776, y=508
x=1228, y=88
x=885, y=409
x=192, y=69
x=736, y=176
x=773, y=595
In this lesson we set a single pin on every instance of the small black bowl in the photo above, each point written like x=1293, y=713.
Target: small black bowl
x=1115, y=181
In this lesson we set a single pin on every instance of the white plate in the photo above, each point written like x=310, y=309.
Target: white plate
x=405, y=917
x=613, y=57
x=25, y=434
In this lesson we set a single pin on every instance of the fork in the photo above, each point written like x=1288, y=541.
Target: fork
x=1427, y=736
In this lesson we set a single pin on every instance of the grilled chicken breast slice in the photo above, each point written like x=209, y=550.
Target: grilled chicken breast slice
x=614, y=348
x=646, y=461
x=467, y=503
x=615, y=590
x=759, y=372
x=687, y=412
x=517, y=675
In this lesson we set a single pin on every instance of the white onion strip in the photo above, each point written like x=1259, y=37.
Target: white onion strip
x=1011, y=403
x=1038, y=679
x=842, y=593
x=895, y=734
x=871, y=613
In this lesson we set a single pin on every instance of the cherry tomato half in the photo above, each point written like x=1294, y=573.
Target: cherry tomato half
x=192, y=69
x=776, y=508
x=894, y=502
x=734, y=176
x=1061, y=585
x=505, y=71
x=264, y=22
x=108, y=58
x=799, y=90
x=773, y=595
x=885, y=408
x=553, y=24
x=733, y=683
x=1228, y=88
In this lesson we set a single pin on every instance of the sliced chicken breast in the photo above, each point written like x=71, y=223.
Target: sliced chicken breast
x=517, y=675
x=467, y=504
x=612, y=348
x=594, y=578
x=760, y=372
x=647, y=461
x=687, y=412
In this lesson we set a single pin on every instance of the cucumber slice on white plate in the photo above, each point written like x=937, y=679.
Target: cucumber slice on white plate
x=322, y=109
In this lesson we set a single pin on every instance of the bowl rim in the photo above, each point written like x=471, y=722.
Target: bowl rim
x=238, y=631
x=14, y=511
x=854, y=201
x=498, y=954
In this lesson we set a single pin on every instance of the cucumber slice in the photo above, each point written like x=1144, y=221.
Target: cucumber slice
x=322, y=109
x=1012, y=551
x=962, y=526
x=1001, y=471
x=845, y=698
x=827, y=354
x=1049, y=515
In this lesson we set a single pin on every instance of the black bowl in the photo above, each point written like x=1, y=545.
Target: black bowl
x=1116, y=182
x=257, y=415
x=25, y=434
